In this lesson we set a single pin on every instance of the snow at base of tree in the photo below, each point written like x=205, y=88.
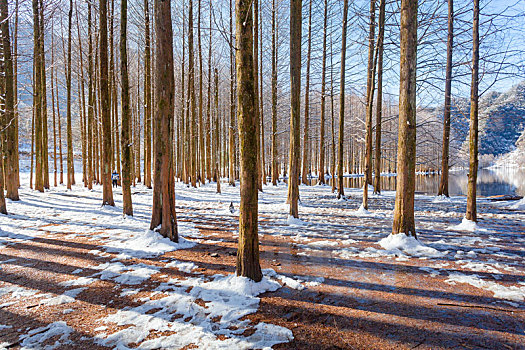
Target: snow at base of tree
x=466, y=225
x=403, y=244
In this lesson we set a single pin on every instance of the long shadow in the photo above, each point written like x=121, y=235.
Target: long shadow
x=409, y=335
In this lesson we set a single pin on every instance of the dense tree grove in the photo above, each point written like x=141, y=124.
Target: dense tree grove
x=303, y=92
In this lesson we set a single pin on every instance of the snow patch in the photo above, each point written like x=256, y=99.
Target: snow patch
x=401, y=243
x=501, y=292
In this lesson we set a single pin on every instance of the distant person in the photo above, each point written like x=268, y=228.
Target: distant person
x=114, y=178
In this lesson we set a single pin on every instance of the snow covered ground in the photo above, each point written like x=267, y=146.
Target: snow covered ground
x=173, y=303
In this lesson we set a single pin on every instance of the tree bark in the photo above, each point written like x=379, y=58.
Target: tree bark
x=163, y=213
x=231, y=134
x=191, y=95
x=105, y=104
x=9, y=126
x=248, y=247
x=37, y=95
x=127, y=207
x=474, y=110
x=275, y=167
x=148, y=101
x=340, y=171
x=406, y=152
x=379, y=106
x=306, y=139
x=322, y=151
x=295, y=117
x=70, y=165
x=443, y=185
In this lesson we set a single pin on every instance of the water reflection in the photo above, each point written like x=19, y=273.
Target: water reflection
x=491, y=182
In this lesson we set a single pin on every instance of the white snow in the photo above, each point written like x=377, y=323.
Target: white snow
x=502, y=292
x=402, y=244
x=37, y=336
x=294, y=221
x=466, y=225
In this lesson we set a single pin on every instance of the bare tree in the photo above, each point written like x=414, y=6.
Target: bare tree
x=340, y=171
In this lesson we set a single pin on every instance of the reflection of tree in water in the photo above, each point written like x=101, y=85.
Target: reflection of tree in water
x=499, y=181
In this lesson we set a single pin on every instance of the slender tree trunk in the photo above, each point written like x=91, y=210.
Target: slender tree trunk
x=231, y=135
x=306, y=140
x=340, y=170
x=202, y=155
x=9, y=115
x=83, y=108
x=148, y=101
x=43, y=85
x=295, y=117
x=208, y=108
x=163, y=218
x=91, y=105
x=217, y=141
x=443, y=185
x=59, y=117
x=127, y=207
x=105, y=104
x=332, y=162
x=70, y=165
x=261, y=100
x=15, y=82
x=379, y=106
x=37, y=95
x=474, y=110
x=248, y=248
x=255, y=5
x=323, y=101
x=275, y=166
x=55, y=172
x=191, y=95
x=406, y=152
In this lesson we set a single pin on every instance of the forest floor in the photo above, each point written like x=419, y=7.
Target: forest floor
x=74, y=275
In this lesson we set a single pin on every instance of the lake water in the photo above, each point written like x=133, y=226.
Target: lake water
x=491, y=182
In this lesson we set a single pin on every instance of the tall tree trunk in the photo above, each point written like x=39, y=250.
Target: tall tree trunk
x=369, y=104
x=306, y=139
x=256, y=88
x=148, y=101
x=231, y=134
x=91, y=106
x=443, y=184
x=55, y=172
x=105, y=104
x=43, y=86
x=15, y=82
x=163, y=213
x=59, y=117
x=275, y=166
x=333, y=159
x=379, y=106
x=474, y=110
x=217, y=176
x=9, y=116
x=406, y=151
x=261, y=99
x=209, y=166
x=70, y=165
x=202, y=156
x=37, y=95
x=295, y=117
x=340, y=170
x=191, y=95
x=248, y=248
x=83, y=107
x=323, y=101
x=127, y=207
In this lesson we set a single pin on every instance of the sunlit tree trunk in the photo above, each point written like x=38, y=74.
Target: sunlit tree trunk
x=340, y=171
x=127, y=207
x=70, y=166
x=217, y=176
x=91, y=106
x=443, y=185
x=248, y=247
x=275, y=166
x=191, y=95
x=163, y=218
x=474, y=110
x=148, y=101
x=209, y=165
x=9, y=116
x=231, y=134
x=53, y=70
x=15, y=82
x=295, y=117
x=37, y=96
x=406, y=151
x=105, y=104
x=258, y=102
x=306, y=139
x=202, y=155
x=323, y=101
x=379, y=106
